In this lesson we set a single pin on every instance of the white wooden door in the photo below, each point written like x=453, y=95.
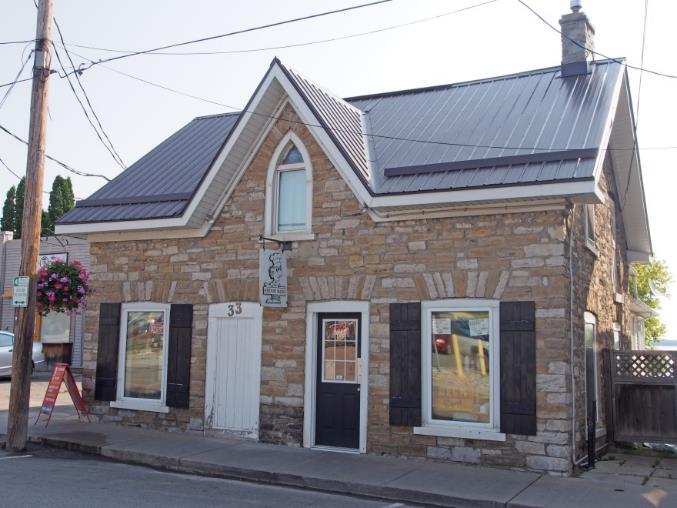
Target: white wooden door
x=233, y=368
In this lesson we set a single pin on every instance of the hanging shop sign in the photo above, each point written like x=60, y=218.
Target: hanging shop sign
x=45, y=259
x=273, y=278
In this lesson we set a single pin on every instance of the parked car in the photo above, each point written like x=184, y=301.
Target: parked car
x=6, y=347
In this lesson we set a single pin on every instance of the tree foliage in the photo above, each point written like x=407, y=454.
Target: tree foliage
x=61, y=199
x=651, y=284
x=8, y=211
x=19, y=208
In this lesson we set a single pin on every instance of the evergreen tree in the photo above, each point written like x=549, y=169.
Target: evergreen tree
x=46, y=227
x=8, y=211
x=61, y=199
x=19, y=209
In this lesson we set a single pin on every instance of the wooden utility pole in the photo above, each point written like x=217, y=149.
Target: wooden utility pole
x=17, y=426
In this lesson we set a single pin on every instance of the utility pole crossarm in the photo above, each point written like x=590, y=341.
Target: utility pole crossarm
x=17, y=425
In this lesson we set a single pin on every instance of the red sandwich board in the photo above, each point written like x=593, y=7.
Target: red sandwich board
x=62, y=374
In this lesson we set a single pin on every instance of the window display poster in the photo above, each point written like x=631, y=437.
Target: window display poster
x=478, y=327
x=441, y=325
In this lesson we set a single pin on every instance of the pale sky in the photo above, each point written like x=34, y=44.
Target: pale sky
x=498, y=38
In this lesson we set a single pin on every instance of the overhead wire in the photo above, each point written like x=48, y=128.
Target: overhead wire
x=235, y=32
x=9, y=169
x=639, y=98
x=2, y=43
x=592, y=51
x=53, y=159
x=18, y=74
x=298, y=44
x=110, y=147
x=86, y=113
x=350, y=131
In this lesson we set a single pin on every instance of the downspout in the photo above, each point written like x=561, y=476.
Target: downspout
x=571, y=208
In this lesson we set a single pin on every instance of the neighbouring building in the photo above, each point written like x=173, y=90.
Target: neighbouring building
x=431, y=272
x=61, y=335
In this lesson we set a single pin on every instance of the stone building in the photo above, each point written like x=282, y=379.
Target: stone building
x=418, y=273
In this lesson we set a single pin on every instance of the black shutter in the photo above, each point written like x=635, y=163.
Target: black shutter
x=107, y=352
x=178, y=363
x=405, y=364
x=518, y=368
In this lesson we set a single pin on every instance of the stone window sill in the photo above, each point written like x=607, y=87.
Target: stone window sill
x=459, y=431
x=140, y=405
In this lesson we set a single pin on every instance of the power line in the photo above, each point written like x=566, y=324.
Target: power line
x=639, y=97
x=18, y=177
x=294, y=45
x=57, y=161
x=112, y=149
x=12, y=83
x=2, y=43
x=635, y=67
x=9, y=169
x=11, y=87
x=85, y=112
x=236, y=32
x=371, y=135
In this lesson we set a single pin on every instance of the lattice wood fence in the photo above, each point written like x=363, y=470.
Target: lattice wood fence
x=643, y=396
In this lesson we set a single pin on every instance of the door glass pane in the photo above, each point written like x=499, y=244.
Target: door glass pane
x=144, y=354
x=291, y=196
x=339, y=342
x=461, y=366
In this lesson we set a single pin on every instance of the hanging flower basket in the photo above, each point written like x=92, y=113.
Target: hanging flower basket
x=62, y=287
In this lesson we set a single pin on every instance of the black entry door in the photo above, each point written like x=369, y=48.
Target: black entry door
x=337, y=417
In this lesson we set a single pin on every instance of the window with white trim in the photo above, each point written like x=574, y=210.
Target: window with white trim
x=461, y=365
x=142, y=364
x=289, y=190
x=589, y=217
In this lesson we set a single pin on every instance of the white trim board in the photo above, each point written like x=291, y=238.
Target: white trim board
x=313, y=309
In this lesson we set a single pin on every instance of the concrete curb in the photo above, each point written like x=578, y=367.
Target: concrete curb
x=186, y=465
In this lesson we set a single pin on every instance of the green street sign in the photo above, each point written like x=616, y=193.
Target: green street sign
x=20, y=292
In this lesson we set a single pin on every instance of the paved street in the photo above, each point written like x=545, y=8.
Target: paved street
x=56, y=478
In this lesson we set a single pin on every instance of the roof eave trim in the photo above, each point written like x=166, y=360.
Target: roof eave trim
x=585, y=190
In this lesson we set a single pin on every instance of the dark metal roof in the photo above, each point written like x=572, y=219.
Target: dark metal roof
x=161, y=183
x=527, y=128
x=467, y=123
x=342, y=122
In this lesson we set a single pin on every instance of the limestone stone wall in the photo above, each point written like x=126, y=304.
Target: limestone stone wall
x=594, y=293
x=509, y=256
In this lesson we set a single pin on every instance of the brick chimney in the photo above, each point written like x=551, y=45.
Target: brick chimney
x=577, y=39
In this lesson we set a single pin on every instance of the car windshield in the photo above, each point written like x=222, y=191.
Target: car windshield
x=5, y=340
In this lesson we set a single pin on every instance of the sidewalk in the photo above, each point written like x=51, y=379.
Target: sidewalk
x=403, y=480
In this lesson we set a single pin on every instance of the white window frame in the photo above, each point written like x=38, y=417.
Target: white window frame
x=589, y=220
x=616, y=327
x=468, y=430
x=591, y=319
x=272, y=190
x=122, y=402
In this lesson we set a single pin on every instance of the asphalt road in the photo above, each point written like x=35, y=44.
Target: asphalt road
x=57, y=478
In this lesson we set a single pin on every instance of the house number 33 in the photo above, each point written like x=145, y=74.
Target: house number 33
x=234, y=309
